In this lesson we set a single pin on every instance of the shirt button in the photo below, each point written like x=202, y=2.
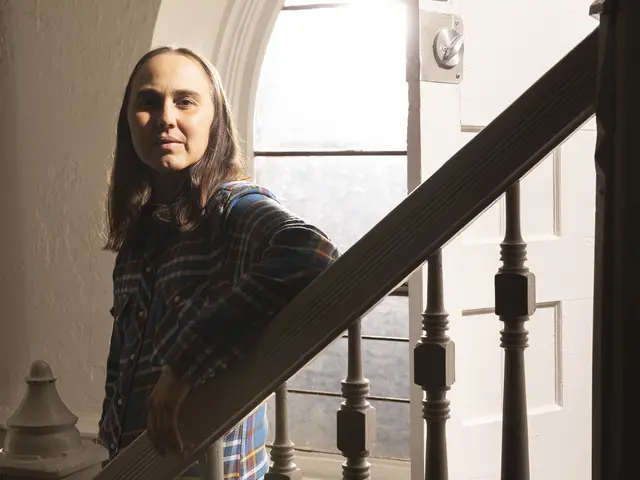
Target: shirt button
x=176, y=298
x=119, y=401
x=148, y=269
x=133, y=356
x=113, y=446
x=141, y=313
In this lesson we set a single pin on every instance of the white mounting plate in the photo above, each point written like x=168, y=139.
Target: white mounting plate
x=430, y=24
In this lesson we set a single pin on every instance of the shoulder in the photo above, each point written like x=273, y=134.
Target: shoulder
x=250, y=210
x=249, y=202
x=238, y=196
x=252, y=216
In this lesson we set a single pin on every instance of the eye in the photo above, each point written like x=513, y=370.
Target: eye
x=147, y=100
x=185, y=103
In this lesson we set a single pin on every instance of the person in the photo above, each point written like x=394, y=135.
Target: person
x=204, y=258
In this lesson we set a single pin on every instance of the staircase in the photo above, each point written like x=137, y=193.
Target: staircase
x=413, y=232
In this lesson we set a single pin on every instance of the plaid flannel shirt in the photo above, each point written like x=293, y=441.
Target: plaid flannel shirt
x=193, y=301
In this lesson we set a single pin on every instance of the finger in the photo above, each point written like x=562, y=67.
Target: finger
x=151, y=429
x=154, y=427
x=163, y=430
x=174, y=433
x=187, y=444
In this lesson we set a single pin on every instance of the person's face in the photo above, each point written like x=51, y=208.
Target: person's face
x=170, y=112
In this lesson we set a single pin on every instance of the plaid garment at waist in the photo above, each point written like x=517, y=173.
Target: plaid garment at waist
x=244, y=452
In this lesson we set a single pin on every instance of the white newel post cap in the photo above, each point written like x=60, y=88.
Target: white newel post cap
x=42, y=441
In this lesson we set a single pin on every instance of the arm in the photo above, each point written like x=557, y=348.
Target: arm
x=288, y=254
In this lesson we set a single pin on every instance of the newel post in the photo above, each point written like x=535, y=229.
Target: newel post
x=616, y=357
x=42, y=440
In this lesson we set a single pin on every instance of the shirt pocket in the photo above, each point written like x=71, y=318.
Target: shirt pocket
x=123, y=312
x=125, y=291
x=178, y=299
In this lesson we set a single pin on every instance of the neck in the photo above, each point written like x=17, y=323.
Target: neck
x=165, y=186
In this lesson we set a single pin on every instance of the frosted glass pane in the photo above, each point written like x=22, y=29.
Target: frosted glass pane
x=343, y=196
x=386, y=365
x=390, y=318
x=334, y=79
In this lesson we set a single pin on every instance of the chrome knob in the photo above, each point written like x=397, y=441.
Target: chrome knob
x=448, y=47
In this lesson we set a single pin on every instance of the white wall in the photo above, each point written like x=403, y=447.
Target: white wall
x=63, y=65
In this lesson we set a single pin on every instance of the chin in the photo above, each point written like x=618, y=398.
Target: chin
x=171, y=163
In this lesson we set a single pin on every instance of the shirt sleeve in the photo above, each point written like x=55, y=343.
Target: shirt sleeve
x=285, y=253
x=113, y=361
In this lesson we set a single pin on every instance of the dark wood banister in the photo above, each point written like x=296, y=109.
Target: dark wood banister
x=474, y=178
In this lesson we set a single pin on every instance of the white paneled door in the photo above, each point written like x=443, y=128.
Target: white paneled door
x=508, y=45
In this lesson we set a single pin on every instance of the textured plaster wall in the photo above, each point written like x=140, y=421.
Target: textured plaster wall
x=63, y=64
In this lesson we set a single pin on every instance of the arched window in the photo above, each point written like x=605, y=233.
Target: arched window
x=330, y=141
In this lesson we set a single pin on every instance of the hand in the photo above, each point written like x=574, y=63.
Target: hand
x=164, y=405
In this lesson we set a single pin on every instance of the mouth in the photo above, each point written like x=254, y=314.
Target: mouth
x=167, y=143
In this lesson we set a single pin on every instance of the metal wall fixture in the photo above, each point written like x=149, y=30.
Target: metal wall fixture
x=442, y=47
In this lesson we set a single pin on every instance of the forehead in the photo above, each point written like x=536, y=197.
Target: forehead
x=171, y=71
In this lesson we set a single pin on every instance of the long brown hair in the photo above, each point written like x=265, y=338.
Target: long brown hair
x=129, y=187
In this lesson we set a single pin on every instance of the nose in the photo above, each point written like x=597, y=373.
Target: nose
x=166, y=117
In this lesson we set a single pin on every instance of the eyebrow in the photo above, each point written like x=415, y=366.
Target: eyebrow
x=150, y=91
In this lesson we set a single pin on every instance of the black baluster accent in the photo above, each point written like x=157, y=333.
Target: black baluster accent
x=282, y=452
x=434, y=371
x=356, y=417
x=515, y=302
x=616, y=357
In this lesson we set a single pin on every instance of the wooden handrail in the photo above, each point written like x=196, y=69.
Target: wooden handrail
x=475, y=177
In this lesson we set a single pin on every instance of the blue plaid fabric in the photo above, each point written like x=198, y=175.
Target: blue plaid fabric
x=195, y=300
x=244, y=456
